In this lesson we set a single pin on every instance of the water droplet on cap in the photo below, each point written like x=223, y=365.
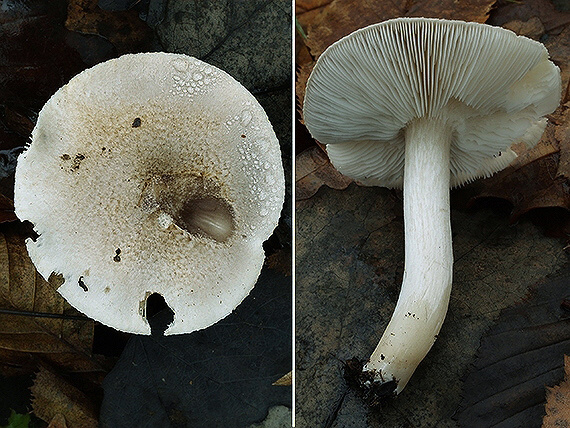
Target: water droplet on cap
x=180, y=65
x=246, y=117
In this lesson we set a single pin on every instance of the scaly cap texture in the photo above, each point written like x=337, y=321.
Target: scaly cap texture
x=151, y=173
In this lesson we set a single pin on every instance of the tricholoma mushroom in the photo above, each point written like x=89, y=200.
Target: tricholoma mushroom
x=151, y=173
x=426, y=104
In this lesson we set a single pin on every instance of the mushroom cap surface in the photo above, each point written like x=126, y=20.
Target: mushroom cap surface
x=151, y=173
x=490, y=86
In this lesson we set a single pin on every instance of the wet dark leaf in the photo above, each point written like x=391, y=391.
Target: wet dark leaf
x=220, y=376
x=246, y=39
x=518, y=357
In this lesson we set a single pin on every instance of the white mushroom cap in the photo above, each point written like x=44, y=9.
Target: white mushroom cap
x=151, y=173
x=490, y=86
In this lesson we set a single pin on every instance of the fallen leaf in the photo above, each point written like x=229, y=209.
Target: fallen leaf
x=24, y=340
x=532, y=28
x=538, y=178
x=58, y=421
x=342, y=17
x=520, y=354
x=558, y=401
x=53, y=396
x=554, y=20
x=250, y=40
x=312, y=170
x=36, y=59
x=124, y=29
x=285, y=380
x=471, y=10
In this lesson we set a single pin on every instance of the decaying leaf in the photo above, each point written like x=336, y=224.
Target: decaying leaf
x=36, y=59
x=58, y=421
x=312, y=170
x=472, y=10
x=64, y=343
x=538, y=178
x=553, y=20
x=124, y=29
x=518, y=356
x=285, y=380
x=53, y=396
x=558, y=401
x=532, y=28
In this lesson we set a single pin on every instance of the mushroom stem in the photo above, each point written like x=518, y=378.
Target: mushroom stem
x=426, y=286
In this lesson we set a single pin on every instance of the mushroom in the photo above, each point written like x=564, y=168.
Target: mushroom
x=426, y=104
x=150, y=174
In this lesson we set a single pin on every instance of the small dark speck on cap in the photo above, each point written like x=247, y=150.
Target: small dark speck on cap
x=117, y=257
x=136, y=122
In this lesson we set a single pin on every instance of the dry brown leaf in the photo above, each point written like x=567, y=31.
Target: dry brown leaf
x=312, y=170
x=58, y=421
x=125, y=30
x=306, y=11
x=51, y=395
x=538, y=178
x=305, y=6
x=553, y=20
x=280, y=261
x=285, y=380
x=559, y=50
x=64, y=343
x=558, y=401
x=341, y=17
x=471, y=10
x=532, y=28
